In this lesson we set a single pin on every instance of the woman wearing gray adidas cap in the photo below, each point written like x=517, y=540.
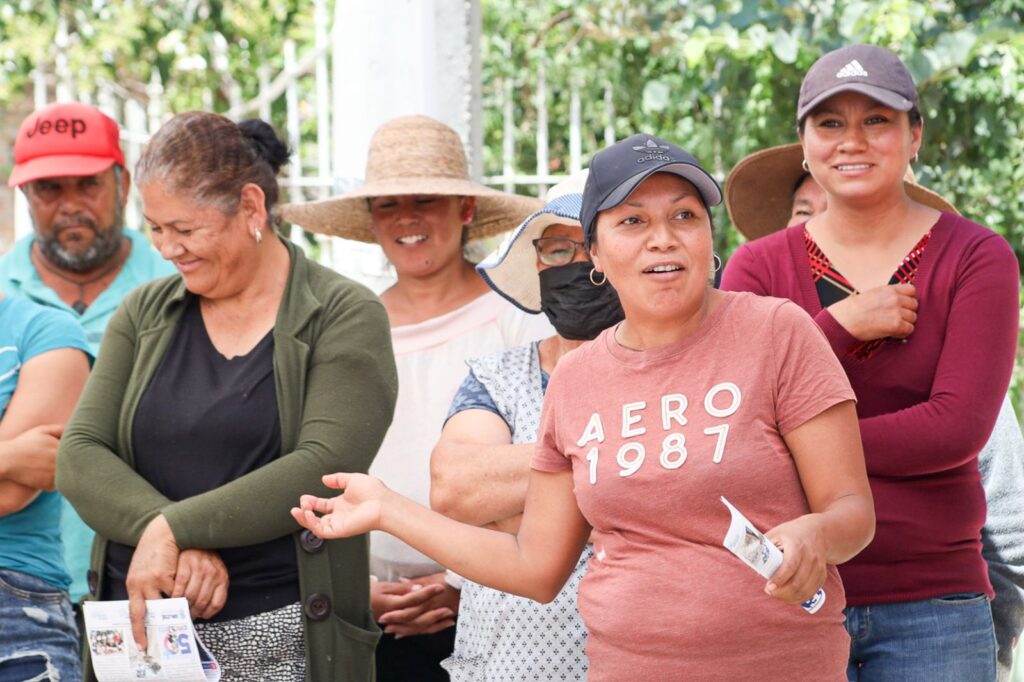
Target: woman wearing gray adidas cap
x=920, y=306
x=697, y=396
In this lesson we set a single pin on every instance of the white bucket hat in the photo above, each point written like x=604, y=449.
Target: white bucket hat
x=512, y=269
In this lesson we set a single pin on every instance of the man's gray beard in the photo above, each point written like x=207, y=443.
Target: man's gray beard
x=104, y=247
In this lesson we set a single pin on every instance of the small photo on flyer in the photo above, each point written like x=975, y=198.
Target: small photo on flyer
x=107, y=642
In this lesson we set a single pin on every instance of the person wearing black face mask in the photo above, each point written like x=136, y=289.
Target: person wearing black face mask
x=480, y=466
x=579, y=303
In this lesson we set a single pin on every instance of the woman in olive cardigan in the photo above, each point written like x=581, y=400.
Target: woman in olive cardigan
x=334, y=384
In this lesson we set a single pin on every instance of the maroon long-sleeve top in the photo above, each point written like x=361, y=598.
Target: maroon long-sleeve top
x=926, y=407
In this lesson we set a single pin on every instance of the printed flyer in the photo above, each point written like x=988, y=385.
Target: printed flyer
x=174, y=652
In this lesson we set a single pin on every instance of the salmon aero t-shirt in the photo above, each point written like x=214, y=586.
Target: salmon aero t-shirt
x=653, y=443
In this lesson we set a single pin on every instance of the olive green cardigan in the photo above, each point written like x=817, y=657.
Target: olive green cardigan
x=336, y=384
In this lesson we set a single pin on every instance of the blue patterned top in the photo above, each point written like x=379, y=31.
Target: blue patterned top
x=500, y=637
x=473, y=395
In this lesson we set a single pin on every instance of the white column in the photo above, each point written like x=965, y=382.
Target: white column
x=64, y=89
x=397, y=57
x=323, y=97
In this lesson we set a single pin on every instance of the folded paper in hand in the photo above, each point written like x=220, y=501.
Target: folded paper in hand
x=755, y=550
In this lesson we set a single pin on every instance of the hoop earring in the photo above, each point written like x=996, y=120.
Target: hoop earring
x=259, y=235
x=604, y=277
x=803, y=164
x=717, y=260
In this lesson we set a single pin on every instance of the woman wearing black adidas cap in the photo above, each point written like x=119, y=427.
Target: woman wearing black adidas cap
x=695, y=397
x=920, y=306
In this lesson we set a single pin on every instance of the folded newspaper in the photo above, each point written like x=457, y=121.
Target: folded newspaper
x=174, y=652
x=755, y=550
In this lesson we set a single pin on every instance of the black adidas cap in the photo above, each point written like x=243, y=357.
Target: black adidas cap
x=616, y=171
x=867, y=69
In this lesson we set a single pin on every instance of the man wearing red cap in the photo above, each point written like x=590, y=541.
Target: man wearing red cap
x=69, y=164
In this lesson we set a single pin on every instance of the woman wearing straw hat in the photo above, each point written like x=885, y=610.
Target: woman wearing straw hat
x=481, y=464
x=419, y=204
x=644, y=430
x=769, y=190
x=921, y=308
x=755, y=194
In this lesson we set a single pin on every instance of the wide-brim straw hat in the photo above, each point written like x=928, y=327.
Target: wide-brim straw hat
x=759, y=190
x=512, y=269
x=412, y=155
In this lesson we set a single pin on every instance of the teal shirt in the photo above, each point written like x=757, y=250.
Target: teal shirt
x=19, y=277
x=29, y=537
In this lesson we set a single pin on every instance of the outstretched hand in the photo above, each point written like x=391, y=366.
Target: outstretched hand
x=356, y=511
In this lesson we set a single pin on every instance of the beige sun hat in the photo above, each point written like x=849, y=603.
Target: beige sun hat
x=412, y=155
x=759, y=190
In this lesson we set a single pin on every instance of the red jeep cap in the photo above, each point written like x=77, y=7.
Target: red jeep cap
x=65, y=139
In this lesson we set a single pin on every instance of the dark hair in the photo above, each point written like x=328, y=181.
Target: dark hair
x=212, y=158
x=914, y=115
x=800, y=181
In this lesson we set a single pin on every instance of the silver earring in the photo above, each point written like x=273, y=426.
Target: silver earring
x=604, y=277
x=803, y=164
x=259, y=235
x=915, y=157
x=717, y=260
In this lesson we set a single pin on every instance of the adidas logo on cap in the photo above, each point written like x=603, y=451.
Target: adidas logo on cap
x=852, y=69
x=652, y=151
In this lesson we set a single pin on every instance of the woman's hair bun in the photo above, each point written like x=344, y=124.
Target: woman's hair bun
x=268, y=145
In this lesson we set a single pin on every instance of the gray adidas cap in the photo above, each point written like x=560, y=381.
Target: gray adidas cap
x=867, y=69
x=618, y=169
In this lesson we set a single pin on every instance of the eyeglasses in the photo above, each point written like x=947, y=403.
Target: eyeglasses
x=556, y=250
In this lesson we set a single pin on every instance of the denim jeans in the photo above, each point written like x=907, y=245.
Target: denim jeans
x=38, y=637
x=946, y=639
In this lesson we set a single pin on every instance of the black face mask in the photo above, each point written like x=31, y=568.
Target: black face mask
x=577, y=309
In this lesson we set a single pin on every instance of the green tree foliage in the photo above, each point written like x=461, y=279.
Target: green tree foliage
x=721, y=78
x=203, y=50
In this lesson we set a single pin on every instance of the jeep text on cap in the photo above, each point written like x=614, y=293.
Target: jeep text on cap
x=59, y=126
